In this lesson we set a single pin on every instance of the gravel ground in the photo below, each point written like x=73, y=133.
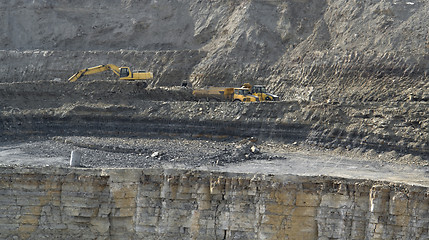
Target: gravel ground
x=139, y=152
x=226, y=155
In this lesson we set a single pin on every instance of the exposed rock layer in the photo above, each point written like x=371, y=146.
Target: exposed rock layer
x=40, y=203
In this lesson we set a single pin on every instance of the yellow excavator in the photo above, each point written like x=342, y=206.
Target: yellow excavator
x=124, y=73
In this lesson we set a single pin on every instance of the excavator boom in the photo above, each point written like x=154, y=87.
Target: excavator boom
x=92, y=70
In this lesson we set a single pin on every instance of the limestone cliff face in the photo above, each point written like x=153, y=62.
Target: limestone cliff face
x=46, y=203
x=341, y=48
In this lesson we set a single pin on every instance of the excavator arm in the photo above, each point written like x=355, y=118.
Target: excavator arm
x=93, y=70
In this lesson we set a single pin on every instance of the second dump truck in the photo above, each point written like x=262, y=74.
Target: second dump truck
x=225, y=94
x=261, y=92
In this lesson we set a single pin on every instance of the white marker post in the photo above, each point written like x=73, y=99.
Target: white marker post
x=75, y=159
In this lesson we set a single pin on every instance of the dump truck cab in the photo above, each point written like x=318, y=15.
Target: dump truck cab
x=244, y=95
x=261, y=92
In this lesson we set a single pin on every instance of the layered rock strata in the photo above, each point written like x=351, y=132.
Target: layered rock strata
x=46, y=203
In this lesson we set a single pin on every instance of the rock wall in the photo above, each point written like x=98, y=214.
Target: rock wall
x=341, y=48
x=59, y=203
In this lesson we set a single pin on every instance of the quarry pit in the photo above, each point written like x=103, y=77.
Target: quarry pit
x=343, y=155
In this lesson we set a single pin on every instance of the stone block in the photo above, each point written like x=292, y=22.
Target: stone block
x=268, y=229
x=149, y=186
x=283, y=197
x=7, y=192
x=274, y=220
x=27, y=185
x=374, y=218
x=123, y=202
x=336, y=213
x=362, y=202
x=29, y=219
x=187, y=188
x=204, y=205
x=210, y=223
x=123, y=175
x=9, y=219
x=185, y=196
x=335, y=200
x=241, y=220
x=8, y=227
x=203, y=189
x=9, y=210
x=147, y=211
x=244, y=207
x=80, y=202
x=358, y=229
x=148, y=221
x=81, y=212
x=7, y=200
x=305, y=211
x=123, y=212
x=150, y=194
x=145, y=230
x=223, y=220
x=334, y=228
x=181, y=204
x=26, y=228
x=379, y=199
x=205, y=214
x=402, y=220
x=104, y=209
x=217, y=187
x=28, y=201
x=276, y=209
x=149, y=202
x=206, y=234
x=399, y=204
x=379, y=228
x=121, y=224
x=169, y=191
x=100, y=225
x=72, y=187
x=243, y=234
x=205, y=197
x=253, y=189
x=307, y=199
x=302, y=228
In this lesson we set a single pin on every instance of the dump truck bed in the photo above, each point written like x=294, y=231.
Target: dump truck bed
x=216, y=93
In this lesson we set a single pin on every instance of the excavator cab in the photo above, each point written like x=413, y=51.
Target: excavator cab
x=124, y=72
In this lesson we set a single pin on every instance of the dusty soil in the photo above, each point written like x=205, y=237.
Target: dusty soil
x=352, y=76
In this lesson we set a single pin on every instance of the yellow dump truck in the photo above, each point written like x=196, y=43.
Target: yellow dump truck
x=261, y=92
x=225, y=94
